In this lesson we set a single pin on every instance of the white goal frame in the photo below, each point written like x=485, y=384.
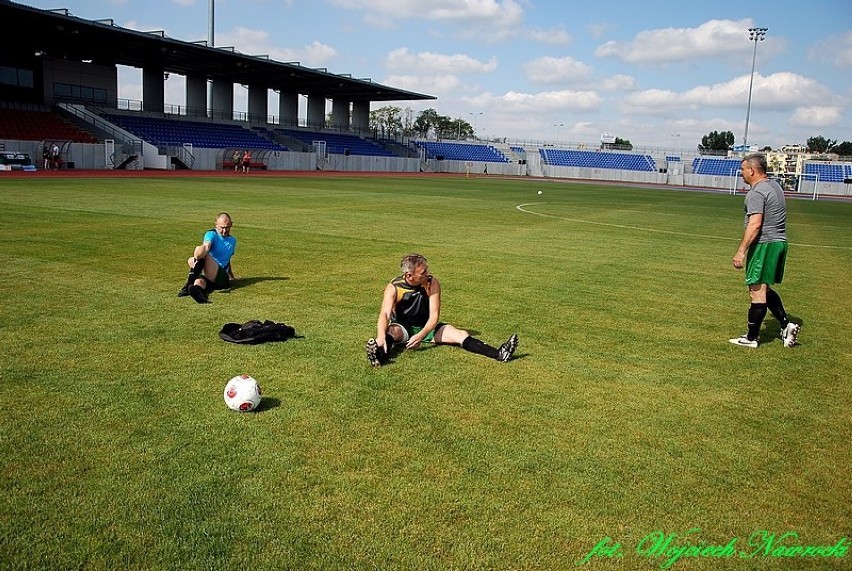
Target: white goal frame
x=804, y=178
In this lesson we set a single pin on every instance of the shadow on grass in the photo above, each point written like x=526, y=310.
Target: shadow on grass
x=772, y=329
x=245, y=282
x=267, y=403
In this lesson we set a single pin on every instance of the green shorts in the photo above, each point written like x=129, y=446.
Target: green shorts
x=222, y=281
x=765, y=263
x=410, y=330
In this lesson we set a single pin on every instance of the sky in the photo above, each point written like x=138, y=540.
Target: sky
x=655, y=72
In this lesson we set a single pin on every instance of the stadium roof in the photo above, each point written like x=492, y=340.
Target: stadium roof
x=58, y=34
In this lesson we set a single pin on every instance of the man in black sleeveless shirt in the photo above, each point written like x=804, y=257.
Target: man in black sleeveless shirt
x=410, y=313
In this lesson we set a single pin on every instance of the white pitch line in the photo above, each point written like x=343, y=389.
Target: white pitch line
x=522, y=208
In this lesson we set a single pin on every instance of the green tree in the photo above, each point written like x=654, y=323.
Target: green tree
x=844, y=149
x=716, y=141
x=442, y=126
x=407, y=121
x=445, y=128
x=619, y=143
x=819, y=144
x=426, y=121
x=386, y=121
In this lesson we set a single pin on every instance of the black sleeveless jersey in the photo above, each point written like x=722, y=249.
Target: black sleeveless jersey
x=412, y=302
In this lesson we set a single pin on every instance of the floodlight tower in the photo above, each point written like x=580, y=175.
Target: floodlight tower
x=211, y=9
x=754, y=35
x=475, y=115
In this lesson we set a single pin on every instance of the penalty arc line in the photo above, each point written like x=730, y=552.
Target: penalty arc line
x=522, y=208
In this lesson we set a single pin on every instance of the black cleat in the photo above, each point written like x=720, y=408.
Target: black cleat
x=184, y=291
x=373, y=353
x=507, y=349
x=198, y=294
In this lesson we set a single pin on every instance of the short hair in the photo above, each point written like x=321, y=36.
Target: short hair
x=756, y=161
x=410, y=262
x=224, y=215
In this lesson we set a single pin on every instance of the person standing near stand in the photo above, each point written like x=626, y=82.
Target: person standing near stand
x=763, y=252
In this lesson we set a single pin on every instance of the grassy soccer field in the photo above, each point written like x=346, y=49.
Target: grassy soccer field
x=625, y=412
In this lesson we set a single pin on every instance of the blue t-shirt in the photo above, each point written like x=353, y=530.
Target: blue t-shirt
x=220, y=248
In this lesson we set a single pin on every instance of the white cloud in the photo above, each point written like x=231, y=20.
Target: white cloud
x=257, y=42
x=555, y=36
x=564, y=70
x=486, y=13
x=571, y=72
x=711, y=39
x=651, y=101
x=816, y=116
x=428, y=84
x=618, y=82
x=597, y=31
x=779, y=91
x=837, y=49
x=546, y=101
x=428, y=62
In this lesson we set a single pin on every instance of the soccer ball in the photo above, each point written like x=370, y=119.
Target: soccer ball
x=242, y=393
x=539, y=192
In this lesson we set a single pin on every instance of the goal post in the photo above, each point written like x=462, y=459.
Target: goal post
x=808, y=184
x=736, y=177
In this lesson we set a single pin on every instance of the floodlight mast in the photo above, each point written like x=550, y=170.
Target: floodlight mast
x=754, y=35
x=475, y=115
x=210, y=19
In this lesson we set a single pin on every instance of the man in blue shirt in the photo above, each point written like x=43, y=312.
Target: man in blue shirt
x=210, y=264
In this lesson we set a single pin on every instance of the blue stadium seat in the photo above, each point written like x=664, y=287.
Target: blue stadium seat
x=462, y=151
x=339, y=143
x=716, y=166
x=159, y=131
x=598, y=159
x=828, y=172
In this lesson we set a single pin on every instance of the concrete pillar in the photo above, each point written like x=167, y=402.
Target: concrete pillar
x=153, y=89
x=340, y=115
x=288, y=109
x=258, y=104
x=196, y=96
x=316, y=112
x=222, y=99
x=361, y=117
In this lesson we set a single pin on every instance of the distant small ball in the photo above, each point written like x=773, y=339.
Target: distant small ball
x=242, y=393
x=539, y=192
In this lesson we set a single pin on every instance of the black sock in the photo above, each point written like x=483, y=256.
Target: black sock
x=474, y=345
x=756, y=313
x=773, y=302
x=384, y=353
x=195, y=272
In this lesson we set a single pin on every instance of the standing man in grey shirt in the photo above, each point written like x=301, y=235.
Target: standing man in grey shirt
x=763, y=252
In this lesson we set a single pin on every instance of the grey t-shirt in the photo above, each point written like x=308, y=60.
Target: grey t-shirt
x=767, y=197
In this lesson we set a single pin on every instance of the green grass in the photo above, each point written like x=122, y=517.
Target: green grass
x=626, y=411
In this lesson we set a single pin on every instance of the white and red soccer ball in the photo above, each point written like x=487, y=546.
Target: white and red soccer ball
x=242, y=393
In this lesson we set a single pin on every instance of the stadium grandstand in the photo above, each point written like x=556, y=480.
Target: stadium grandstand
x=59, y=86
